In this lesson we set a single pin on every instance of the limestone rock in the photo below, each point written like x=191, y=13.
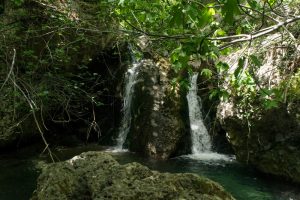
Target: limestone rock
x=272, y=145
x=96, y=175
x=266, y=137
x=158, y=124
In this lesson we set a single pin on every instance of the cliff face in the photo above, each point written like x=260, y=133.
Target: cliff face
x=264, y=129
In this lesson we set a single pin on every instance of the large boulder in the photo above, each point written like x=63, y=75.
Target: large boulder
x=96, y=175
x=270, y=142
x=158, y=124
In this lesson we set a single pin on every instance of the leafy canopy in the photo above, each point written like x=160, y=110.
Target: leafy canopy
x=187, y=30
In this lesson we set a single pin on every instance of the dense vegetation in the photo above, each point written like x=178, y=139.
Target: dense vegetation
x=63, y=68
x=206, y=31
x=46, y=72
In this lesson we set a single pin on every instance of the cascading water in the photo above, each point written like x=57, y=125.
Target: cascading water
x=201, y=142
x=200, y=138
x=130, y=79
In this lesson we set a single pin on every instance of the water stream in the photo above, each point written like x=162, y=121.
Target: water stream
x=130, y=79
x=201, y=142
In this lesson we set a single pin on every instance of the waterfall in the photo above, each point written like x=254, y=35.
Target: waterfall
x=201, y=142
x=130, y=79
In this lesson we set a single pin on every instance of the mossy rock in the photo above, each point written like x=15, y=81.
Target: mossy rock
x=158, y=125
x=96, y=175
x=272, y=145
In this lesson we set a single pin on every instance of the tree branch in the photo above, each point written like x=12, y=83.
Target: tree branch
x=248, y=37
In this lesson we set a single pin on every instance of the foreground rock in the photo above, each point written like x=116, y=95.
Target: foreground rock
x=96, y=175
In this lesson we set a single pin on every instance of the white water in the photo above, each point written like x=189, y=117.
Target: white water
x=200, y=138
x=210, y=158
x=201, y=142
x=130, y=79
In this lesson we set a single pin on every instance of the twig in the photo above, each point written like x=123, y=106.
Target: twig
x=260, y=33
x=32, y=105
x=11, y=69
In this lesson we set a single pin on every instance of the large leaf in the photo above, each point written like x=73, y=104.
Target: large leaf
x=206, y=72
x=177, y=16
x=255, y=60
x=238, y=70
x=229, y=10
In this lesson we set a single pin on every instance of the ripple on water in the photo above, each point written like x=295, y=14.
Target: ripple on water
x=210, y=158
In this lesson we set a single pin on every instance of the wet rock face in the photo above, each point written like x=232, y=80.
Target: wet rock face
x=157, y=122
x=273, y=143
x=268, y=139
x=96, y=175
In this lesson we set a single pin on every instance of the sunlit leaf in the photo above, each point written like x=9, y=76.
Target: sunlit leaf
x=206, y=72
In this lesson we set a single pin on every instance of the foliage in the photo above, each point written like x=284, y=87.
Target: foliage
x=293, y=93
x=208, y=30
x=53, y=46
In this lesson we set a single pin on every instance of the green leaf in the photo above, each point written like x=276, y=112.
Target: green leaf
x=177, y=16
x=18, y=2
x=206, y=72
x=255, y=60
x=272, y=2
x=221, y=67
x=238, y=70
x=175, y=54
x=269, y=104
x=238, y=30
x=205, y=17
x=224, y=95
x=253, y=4
x=220, y=32
x=121, y=2
x=230, y=9
x=43, y=93
x=184, y=83
x=214, y=93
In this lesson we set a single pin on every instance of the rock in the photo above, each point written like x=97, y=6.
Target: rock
x=272, y=145
x=158, y=124
x=264, y=130
x=96, y=175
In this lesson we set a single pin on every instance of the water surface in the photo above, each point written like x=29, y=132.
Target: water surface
x=18, y=173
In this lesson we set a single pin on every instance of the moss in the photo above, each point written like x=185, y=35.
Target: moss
x=96, y=175
x=282, y=161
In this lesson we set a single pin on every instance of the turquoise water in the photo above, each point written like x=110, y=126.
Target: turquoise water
x=241, y=181
x=18, y=174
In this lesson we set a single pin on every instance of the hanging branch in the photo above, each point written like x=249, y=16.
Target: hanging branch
x=31, y=104
x=248, y=37
x=10, y=71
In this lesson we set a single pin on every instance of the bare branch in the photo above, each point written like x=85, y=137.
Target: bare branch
x=244, y=38
x=10, y=71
